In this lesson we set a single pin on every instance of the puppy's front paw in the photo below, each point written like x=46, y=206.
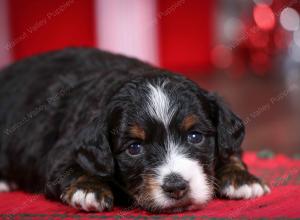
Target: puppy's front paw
x=89, y=195
x=241, y=185
x=89, y=201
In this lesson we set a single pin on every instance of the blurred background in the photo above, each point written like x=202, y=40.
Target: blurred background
x=246, y=50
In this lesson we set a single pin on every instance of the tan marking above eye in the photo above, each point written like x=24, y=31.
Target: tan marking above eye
x=189, y=121
x=137, y=132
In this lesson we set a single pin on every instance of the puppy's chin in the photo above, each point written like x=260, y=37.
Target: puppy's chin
x=166, y=205
x=176, y=207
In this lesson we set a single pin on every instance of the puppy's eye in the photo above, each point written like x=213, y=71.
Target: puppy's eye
x=134, y=149
x=194, y=137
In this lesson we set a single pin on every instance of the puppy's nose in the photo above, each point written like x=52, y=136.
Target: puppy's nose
x=175, y=186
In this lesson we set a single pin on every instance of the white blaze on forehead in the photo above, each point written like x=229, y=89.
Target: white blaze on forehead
x=159, y=104
x=177, y=162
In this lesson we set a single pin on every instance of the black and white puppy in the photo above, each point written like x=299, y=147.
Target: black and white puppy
x=84, y=126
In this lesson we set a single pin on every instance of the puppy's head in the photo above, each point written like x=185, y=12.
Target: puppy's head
x=164, y=136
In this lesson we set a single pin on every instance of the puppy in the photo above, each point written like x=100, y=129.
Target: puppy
x=85, y=126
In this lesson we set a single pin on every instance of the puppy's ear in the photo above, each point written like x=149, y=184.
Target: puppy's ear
x=93, y=151
x=230, y=129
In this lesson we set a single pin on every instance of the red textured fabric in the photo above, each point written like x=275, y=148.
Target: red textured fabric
x=282, y=174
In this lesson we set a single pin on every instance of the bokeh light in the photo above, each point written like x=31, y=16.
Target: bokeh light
x=264, y=17
x=289, y=19
x=259, y=39
x=232, y=28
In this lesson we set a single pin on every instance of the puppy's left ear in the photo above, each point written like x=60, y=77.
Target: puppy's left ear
x=93, y=151
x=230, y=129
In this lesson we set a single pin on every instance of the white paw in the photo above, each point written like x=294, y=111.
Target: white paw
x=245, y=191
x=6, y=187
x=88, y=201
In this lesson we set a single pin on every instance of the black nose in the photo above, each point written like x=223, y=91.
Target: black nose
x=175, y=186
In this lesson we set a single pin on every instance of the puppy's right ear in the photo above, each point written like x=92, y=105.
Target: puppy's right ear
x=93, y=151
x=230, y=129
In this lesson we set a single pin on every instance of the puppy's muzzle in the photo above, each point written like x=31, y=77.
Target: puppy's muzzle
x=174, y=186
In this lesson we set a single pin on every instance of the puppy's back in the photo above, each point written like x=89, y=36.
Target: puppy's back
x=41, y=99
x=29, y=83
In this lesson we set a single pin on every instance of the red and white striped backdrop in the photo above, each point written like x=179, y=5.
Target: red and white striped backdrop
x=175, y=34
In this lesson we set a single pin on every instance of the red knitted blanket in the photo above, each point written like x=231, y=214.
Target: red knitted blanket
x=280, y=172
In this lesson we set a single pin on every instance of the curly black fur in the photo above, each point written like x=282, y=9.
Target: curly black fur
x=66, y=114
